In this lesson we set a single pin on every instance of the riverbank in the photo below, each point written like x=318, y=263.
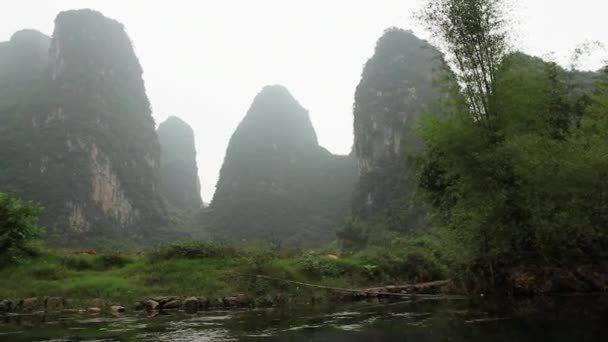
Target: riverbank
x=214, y=274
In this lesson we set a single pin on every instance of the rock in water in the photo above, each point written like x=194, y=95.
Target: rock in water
x=93, y=154
x=277, y=183
x=180, y=185
x=395, y=88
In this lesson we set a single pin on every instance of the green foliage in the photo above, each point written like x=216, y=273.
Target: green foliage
x=413, y=258
x=528, y=188
x=473, y=33
x=83, y=262
x=18, y=227
x=194, y=250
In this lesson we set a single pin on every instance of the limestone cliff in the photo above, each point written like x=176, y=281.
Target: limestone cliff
x=180, y=185
x=94, y=158
x=395, y=87
x=277, y=183
x=23, y=88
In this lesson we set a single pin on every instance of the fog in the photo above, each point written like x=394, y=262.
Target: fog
x=204, y=61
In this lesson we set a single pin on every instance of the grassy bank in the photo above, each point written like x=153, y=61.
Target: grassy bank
x=204, y=269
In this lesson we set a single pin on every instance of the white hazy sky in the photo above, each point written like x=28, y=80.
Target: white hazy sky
x=204, y=61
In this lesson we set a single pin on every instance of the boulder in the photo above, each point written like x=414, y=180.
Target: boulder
x=31, y=304
x=162, y=300
x=171, y=305
x=150, y=305
x=54, y=303
x=97, y=302
x=6, y=305
x=117, y=309
x=94, y=310
x=203, y=302
x=265, y=300
x=71, y=311
x=191, y=304
x=216, y=302
x=237, y=300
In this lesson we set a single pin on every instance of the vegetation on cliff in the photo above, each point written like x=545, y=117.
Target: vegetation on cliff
x=397, y=85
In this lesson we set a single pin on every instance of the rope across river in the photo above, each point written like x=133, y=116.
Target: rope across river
x=374, y=291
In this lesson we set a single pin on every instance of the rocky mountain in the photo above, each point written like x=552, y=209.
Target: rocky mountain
x=180, y=185
x=396, y=85
x=276, y=182
x=93, y=159
x=23, y=95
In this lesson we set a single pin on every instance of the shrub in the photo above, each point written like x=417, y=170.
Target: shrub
x=193, y=250
x=78, y=262
x=112, y=261
x=47, y=272
x=325, y=267
x=18, y=227
x=92, y=262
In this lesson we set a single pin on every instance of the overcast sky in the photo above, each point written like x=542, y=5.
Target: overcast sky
x=204, y=61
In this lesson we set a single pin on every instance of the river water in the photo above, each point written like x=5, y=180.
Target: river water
x=576, y=318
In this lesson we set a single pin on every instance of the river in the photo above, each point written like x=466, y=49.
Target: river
x=571, y=318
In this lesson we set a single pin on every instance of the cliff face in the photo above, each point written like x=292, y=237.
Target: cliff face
x=277, y=183
x=94, y=158
x=180, y=184
x=23, y=94
x=395, y=87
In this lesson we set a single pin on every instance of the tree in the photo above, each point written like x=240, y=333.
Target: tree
x=474, y=36
x=18, y=226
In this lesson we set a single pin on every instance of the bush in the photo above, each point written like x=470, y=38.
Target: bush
x=326, y=267
x=48, y=272
x=412, y=259
x=193, y=250
x=78, y=262
x=18, y=227
x=94, y=262
x=112, y=261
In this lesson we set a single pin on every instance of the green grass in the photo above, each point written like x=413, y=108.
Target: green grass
x=184, y=271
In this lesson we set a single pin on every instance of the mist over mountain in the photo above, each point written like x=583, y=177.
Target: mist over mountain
x=277, y=183
x=87, y=139
x=180, y=185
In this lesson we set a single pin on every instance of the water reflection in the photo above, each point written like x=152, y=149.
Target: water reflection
x=549, y=319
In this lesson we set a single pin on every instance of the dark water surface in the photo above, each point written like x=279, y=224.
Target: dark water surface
x=581, y=318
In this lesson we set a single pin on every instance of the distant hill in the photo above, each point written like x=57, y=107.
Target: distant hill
x=180, y=185
x=82, y=135
x=276, y=182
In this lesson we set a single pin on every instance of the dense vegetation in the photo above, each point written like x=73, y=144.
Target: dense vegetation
x=506, y=153
x=18, y=227
x=277, y=183
x=515, y=169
